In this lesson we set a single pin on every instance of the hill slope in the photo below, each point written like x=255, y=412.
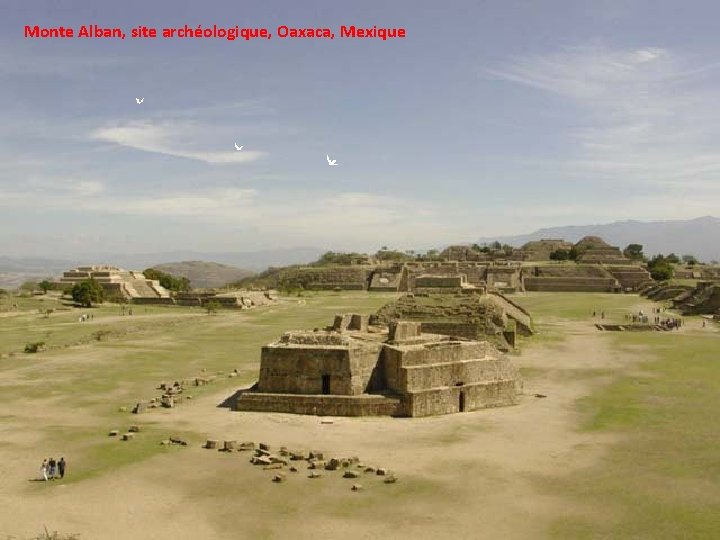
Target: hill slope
x=697, y=237
x=204, y=274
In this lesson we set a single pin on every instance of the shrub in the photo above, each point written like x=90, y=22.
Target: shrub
x=36, y=347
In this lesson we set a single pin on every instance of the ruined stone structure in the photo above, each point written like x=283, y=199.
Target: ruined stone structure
x=128, y=284
x=234, y=299
x=540, y=250
x=704, y=299
x=464, y=253
x=491, y=317
x=569, y=277
x=352, y=369
x=600, y=268
x=593, y=249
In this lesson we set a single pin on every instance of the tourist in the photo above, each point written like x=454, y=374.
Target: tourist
x=61, y=467
x=51, y=468
x=44, y=469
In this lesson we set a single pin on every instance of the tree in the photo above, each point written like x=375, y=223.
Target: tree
x=573, y=254
x=432, y=254
x=672, y=258
x=170, y=282
x=634, y=252
x=496, y=246
x=560, y=255
x=45, y=285
x=690, y=260
x=212, y=307
x=660, y=268
x=392, y=255
x=88, y=292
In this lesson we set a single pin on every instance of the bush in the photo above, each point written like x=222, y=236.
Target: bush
x=36, y=347
x=87, y=293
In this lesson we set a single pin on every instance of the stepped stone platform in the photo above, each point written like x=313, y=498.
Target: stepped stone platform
x=354, y=369
x=131, y=285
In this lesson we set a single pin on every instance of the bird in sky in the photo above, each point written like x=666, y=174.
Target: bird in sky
x=139, y=100
x=331, y=162
x=238, y=147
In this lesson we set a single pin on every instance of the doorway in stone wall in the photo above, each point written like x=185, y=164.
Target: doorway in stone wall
x=461, y=400
x=326, y=384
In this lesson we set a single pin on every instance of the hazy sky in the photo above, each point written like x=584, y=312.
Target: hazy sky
x=491, y=117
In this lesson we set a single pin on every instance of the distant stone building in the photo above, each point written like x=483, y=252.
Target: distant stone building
x=123, y=283
x=352, y=369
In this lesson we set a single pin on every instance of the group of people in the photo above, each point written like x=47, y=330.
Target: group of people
x=51, y=469
x=669, y=323
x=85, y=317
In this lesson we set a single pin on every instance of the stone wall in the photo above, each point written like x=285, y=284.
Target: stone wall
x=448, y=400
x=630, y=277
x=366, y=405
x=299, y=370
x=570, y=284
x=328, y=278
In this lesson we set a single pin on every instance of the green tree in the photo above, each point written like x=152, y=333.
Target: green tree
x=88, y=292
x=690, y=260
x=432, y=254
x=45, y=285
x=392, y=255
x=672, y=258
x=560, y=255
x=660, y=268
x=170, y=282
x=212, y=307
x=573, y=254
x=634, y=252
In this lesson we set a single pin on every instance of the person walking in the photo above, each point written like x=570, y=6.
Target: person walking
x=61, y=468
x=44, y=469
x=51, y=467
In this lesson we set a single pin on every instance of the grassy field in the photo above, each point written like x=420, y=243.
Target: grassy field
x=663, y=479
x=136, y=353
x=653, y=415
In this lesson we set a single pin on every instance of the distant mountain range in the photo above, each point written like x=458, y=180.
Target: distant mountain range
x=203, y=274
x=699, y=237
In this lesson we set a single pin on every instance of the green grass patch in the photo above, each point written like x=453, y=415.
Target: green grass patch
x=663, y=479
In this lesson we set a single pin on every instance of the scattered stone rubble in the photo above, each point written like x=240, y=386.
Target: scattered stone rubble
x=285, y=459
x=175, y=393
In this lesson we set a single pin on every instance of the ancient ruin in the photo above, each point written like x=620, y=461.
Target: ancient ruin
x=492, y=317
x=596, y=267
x=356, y=369
x=123, y=283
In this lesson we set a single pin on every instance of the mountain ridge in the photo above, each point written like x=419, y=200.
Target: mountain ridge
x=699, y=236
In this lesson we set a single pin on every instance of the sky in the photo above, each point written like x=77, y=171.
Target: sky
x=490, y=118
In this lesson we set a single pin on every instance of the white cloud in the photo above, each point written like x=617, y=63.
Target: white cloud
x=177, y=138
x=299, y=218
x=643, y=115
